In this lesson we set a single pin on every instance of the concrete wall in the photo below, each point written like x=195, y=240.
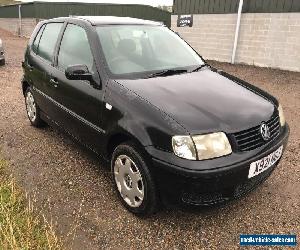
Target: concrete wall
x=12, y=25
x=266, y=39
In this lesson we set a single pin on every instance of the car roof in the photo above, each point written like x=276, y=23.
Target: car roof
x=112, y=20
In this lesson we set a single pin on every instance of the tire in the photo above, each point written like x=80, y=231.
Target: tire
x=137, y=182
x=32, y=109
x=2, y=62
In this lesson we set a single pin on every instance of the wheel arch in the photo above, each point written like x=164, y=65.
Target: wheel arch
x=118, y=138
x=25, y=85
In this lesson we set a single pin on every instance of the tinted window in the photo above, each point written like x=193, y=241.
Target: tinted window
x=75, y=48
x=48, y=40
x=37, y=39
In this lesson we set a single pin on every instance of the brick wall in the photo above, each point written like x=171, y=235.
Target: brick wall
x=266, y=39
x=12, y=25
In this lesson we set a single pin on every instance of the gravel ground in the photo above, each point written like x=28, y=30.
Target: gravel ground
x=74, y=190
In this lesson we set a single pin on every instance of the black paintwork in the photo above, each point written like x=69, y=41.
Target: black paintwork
x=150, y=111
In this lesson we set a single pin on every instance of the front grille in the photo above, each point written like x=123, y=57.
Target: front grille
x=251, y=138
x=203, y=198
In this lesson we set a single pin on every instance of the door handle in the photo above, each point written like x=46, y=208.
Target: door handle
x=54, y=82
x=30, y=67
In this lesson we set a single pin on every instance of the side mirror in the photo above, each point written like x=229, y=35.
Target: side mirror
x=78, y=72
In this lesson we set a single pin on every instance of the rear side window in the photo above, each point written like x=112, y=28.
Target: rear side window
x=75, y=48
x=48, y=40
x=37, y=39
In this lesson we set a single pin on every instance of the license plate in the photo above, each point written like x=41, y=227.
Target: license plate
x=263, y=164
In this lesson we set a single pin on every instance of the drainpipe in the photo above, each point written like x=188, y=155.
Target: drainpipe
x=20, y=21
x=237, y=29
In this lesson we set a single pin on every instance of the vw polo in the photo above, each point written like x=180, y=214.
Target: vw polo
x=174, y=129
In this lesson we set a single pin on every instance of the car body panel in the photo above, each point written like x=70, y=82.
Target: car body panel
x=127, y=114
x=204, y=101
x=81, y=118
x=40, y=74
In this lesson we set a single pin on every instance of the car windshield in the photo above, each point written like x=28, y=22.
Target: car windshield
x=141, y=49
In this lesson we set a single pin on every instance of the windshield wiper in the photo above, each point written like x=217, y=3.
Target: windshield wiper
x=167, y=72
x=199, y=67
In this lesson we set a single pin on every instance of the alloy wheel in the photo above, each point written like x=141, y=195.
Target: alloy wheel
x=30, y=106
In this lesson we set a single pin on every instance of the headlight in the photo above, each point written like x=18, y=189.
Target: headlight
x=207, y=146
x=281, y=115
x=212, y=145
x=183, y=147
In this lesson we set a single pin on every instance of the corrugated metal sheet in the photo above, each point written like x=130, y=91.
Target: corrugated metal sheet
x=231, y=6
x=271, y=6
x=27, y=10
x=9, y=11
x=46, y=10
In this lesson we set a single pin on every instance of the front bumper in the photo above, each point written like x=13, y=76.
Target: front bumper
x=211, y=183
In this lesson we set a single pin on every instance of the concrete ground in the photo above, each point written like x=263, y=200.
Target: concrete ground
x=73, y=188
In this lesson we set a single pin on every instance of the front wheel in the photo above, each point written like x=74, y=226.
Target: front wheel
x=133, y=180
x=32, y=109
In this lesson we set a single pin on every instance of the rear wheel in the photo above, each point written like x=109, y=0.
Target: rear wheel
x=32, y=109
x=133, y=180
x=2, y=62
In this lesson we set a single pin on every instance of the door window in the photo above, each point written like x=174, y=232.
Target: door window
x=75, y=48
x=37, y=39
x=48, y=41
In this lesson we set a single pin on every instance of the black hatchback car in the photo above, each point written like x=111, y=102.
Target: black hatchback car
x=174, y=129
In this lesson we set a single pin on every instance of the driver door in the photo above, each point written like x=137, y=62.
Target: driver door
x=80, y=103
